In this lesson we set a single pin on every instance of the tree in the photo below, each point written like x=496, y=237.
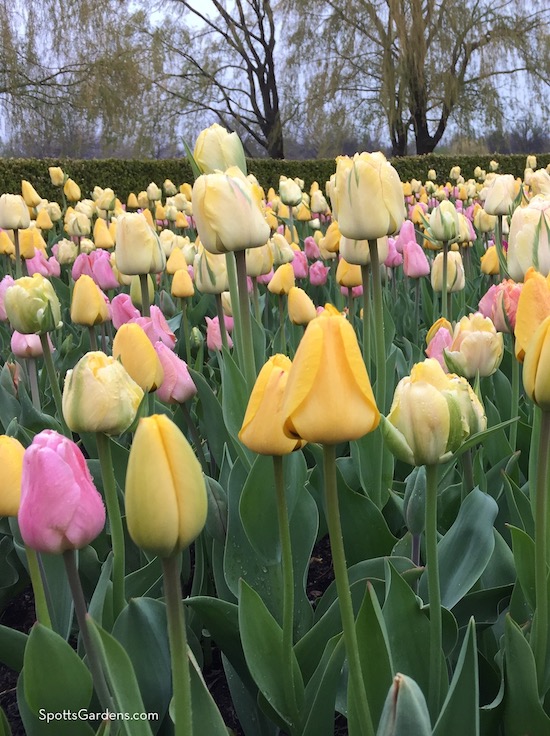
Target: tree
x=417, y=64
x=222, y=65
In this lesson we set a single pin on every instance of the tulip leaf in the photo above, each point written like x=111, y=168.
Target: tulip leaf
x=252, y=720
x=59, y=593
x=55, y=678
x=216, y=520
x=523, y=712
x=36, y=724
x=258, y=504
x=466, y=548
x=320, y=693
x=9, y=408
x=479, y=438
x=405, y=711
x=101, y=604
x=12, y=647
x=519, y=507
x=121, y=679
x=235, y=397
x=460, y=711
x=207, y=718
x=524, y=556
x=5, y=729
x=210, y=417
x=142, y=630
x=147, y=581
x=262, y=640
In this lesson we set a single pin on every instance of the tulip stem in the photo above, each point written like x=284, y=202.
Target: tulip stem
x=115, y=520
x=540, y=627
x=93, y=338
x=356, y=683
x=256, y=300
x=195, y=437
x=33, y=383
x=144, y=286
x=365, y=278
x=221, y=321
x=181, y=682
x=18, y=266
x=52, y=376
x=40, y=600
x=434, y=594
x=378, y=327
x=499, y=246
x=94, y=660
x=246, y=324
x=282, y=331
x=235, y=305
x=514, y=402
x=288, y=576
x=186, y=330
x=444, y=303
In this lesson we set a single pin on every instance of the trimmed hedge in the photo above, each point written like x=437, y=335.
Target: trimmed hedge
x=125, y=176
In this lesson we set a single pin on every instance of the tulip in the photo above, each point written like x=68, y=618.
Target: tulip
x=166, y=500
x=42, y=265
x=444, y=222
x=157, y=328
x=78, y=223
x=484, y=222
x=311, y=249
x=227, y=215
x=394, y=258
x=535, y=366
x=217, y=150
x=299, y=264
x=137, y=354
x=318, y=273
x=154, y=193
x=100, y=396
x=500, y=194
x=301, y=310
x=259, y=261
x=27, y=346
x=210, y=273
x=182, y=284
x=176, y=261
x=432, y=414
x=89, y=305
x=105, y=200
x=30, y=195
x=11, y=460
x=331, y=241
x=43, y=220
x=533, y=308
x=283, y=280
x=138, y=249
x=540, y=182
x=262, y=427
x=14, y=214
x=500, y=304
x=529, y=239
x=440, y=341
x=357, y=252
x=348, y=274
x=281, y=250
x=415, y=263
x=328, y=371
x=477, y=347
x=57, y=177
x=65, y=251
x=32, y=305
x=71, y=190
x=456, y=279
x=5, y=284
x=102, y=235
x=60, y=508
x=489, y=261
x=122, y=310
x=214, y=336
x=289, y=192
x=177, y=385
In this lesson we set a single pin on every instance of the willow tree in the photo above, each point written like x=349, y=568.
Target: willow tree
x=222, y=67
x=417, y=65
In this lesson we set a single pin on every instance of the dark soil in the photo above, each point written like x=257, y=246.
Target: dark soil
x=19, y=614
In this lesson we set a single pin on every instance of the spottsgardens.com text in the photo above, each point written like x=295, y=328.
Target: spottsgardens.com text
x=86, y=715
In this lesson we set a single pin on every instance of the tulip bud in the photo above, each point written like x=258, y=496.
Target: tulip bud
x=477, y=347
x=57, y=177
x=289, y=192
x=32, y=305
x=500, y=195
x=348, y=274
x=182, y=284
x=262, y=428
x=210, y=273
x=14, y=214
x=132, y=202
x=100, y=396
x=489, y=261
x=535, y=366
x=301, y=310
x=138, y=249
x=166, y=502
x=176, y=261
x=11, y=461
x=328, y=371
x=43, y=220
x=137, y=354
x=102, y=235
x=71, y=190
x=529, y=238
x=154, y=193
x=405, y=710
x=30, y=195
x=89, y=305
x=444, y=222
x=217, y=150
x=78, y=224
x=456, y=279
x=60, y=508
x=283, y=280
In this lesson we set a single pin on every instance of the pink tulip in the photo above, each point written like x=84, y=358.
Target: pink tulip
x=500, y=304
x=27, y=346
x=42, y=265
x=60, y=506
x=265, y=278
x=394, y=258
x=299, y=264
x=406, y=235
x=214, y=335
x=122, y=310
x=311, y=249
x=356, y=291
x=156, y=327
x=96, y=265
x=5, y=284
x=415, y=263
x=318, y=273
x=440, y=341
x=177, y=385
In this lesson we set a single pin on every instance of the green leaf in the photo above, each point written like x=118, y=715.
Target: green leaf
x=146, y=581
x=195, y=168
x=523, y=713
x=258, y=504
x=47, y=723
x=320, y=693
x=211, y=417
x=405, y=711
x=466, y=548
x=12, y=647
x=252, y=720
x=141, y=629
x=121, y=679
x=460, y=712
x=262, y=640
x=235, y=396
x=55, y=677
x=207, y=718
x=101, y=604
x=524, y=556
x=5, y=729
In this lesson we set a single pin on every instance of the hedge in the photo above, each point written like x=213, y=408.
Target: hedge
x=125, y=176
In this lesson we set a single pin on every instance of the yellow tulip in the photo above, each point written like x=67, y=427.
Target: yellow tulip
x=176, y=261
x=536, y=366
x=14, y=214
x=262, y=428
x=456, y=279
x=132, y=202
x=57, y=177
x=348, y=274
x=328, y=397
x=100, y=396
x=259, y=261
x=182, y=284
x=88, y=305
x=165, y=499
x=217, y=150
x=489, y=261
x=11, y=461
x=32, y=306
x=477, y=347
x=137, y=354
x=301, y=310
x=43, y=220
x=282, y=280
x=138, y=249
x=533, y=308
x=30, y=195
x=71, y=190
x=102, y=235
